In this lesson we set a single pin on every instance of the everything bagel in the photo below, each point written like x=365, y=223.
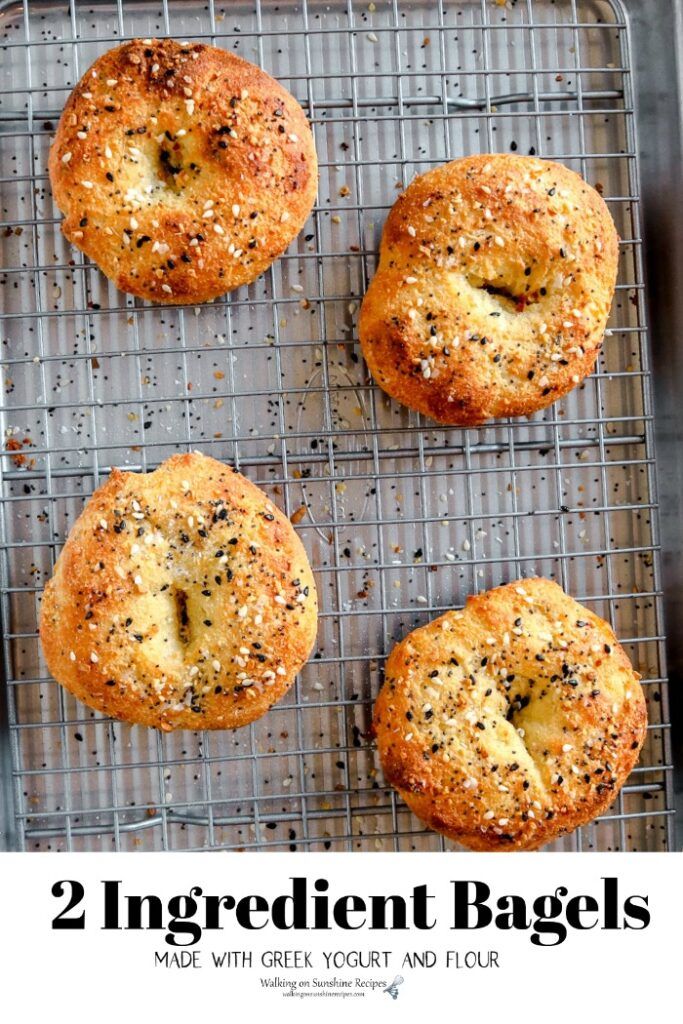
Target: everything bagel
x=182, y=170
x=512, y=722
x=182, y=598
x=495, y=279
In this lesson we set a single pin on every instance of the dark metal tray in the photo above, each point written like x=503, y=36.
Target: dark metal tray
x=402, y=519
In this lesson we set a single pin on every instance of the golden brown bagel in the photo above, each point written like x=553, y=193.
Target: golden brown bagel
x=182, y=599
x=182, y=170
x=495, y=279
x=512, y=722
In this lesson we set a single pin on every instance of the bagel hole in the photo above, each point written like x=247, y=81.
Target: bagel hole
x=182, y=616
x=172, y=163
x=508, y=297
x=516, y=704
x=169, y=164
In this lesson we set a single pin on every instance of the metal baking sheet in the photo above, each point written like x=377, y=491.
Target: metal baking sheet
x=401, y=519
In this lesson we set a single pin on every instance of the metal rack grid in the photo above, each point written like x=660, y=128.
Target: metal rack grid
x=402, y=518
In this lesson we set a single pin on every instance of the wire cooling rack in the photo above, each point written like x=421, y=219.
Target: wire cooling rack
x=401, y=518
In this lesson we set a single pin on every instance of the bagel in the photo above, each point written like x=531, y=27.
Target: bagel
x=182, y=598
x=512, y=722
x=182, y=170
x=495, y=279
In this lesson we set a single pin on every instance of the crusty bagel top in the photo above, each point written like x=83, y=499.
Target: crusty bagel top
x=181, y=169
x=511, y=722
x=183, y=598
x=495, y=279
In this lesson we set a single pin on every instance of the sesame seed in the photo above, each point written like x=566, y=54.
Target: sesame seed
x=93, y=657
x=66, y=158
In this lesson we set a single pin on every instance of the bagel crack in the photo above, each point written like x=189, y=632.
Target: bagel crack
x=515, y=720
